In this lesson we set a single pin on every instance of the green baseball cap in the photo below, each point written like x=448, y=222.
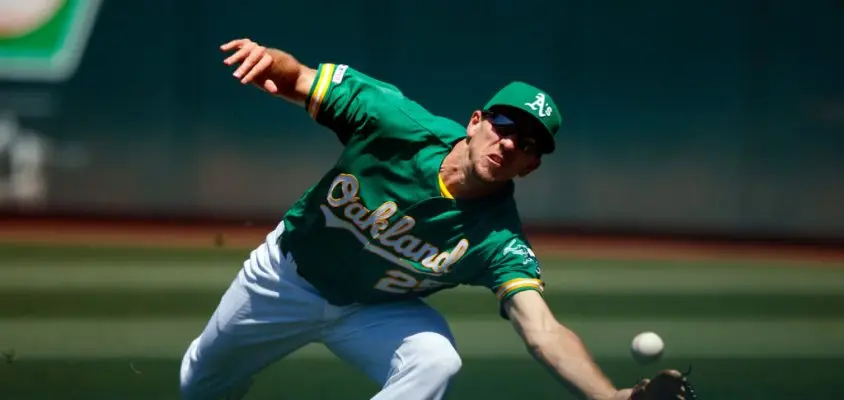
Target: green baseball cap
x=529, y=106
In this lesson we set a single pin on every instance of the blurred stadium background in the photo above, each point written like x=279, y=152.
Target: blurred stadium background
x=698, y=190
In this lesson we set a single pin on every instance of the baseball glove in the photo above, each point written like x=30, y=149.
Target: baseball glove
x=665, y=385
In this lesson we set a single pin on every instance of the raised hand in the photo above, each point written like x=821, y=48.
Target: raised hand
x=255, y=63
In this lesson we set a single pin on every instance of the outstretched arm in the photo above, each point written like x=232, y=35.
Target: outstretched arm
x=558, y=348
x=272, y=70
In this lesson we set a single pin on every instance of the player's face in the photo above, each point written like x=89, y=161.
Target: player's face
x=498, y=150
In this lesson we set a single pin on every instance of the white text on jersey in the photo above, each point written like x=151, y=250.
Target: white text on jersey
x=362, y=222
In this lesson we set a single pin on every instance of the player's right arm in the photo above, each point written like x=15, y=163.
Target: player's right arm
x=336, y=96
x=272, y=70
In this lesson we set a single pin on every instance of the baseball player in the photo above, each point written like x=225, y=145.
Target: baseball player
x=415, y=204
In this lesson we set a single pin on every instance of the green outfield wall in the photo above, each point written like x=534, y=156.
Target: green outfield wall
x=699, y=116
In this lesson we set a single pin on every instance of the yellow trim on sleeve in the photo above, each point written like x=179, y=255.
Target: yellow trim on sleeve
x=443, y=190
x=519, y=283
x=320, y=89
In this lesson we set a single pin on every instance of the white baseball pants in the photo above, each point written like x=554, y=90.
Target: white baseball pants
x=269, y=311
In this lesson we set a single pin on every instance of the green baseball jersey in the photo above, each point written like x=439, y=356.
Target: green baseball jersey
x=380, y=226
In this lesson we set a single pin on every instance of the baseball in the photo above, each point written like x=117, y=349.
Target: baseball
x=647, y=347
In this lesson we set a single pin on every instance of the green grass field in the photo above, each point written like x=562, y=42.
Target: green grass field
x=89, y=323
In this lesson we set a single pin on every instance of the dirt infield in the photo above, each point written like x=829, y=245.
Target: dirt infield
x=172, y=235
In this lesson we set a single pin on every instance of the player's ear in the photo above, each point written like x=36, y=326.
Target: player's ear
x=476, y=117
x=474, y=120
x=531, y=167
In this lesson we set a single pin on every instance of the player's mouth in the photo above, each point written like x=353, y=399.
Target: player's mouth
x=496, y=159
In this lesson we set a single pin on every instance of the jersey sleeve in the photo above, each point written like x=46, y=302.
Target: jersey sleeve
x=513, y=269
x=347, y=101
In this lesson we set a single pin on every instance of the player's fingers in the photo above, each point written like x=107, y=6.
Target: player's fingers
x=238, y=56
x=258, y=69
x=233, y=44
x=270, y=86
x=244, y=51
x=254, y=55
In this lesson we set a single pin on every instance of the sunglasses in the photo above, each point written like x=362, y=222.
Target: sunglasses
x=525, y=140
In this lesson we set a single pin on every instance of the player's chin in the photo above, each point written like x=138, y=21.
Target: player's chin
x=494, y=174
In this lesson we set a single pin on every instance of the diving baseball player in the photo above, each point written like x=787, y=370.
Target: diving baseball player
x=415, y=204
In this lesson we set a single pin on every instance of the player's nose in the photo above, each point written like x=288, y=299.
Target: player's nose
x=508, y=143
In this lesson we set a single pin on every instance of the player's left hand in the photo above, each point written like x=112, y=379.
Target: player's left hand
x=254, y=61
